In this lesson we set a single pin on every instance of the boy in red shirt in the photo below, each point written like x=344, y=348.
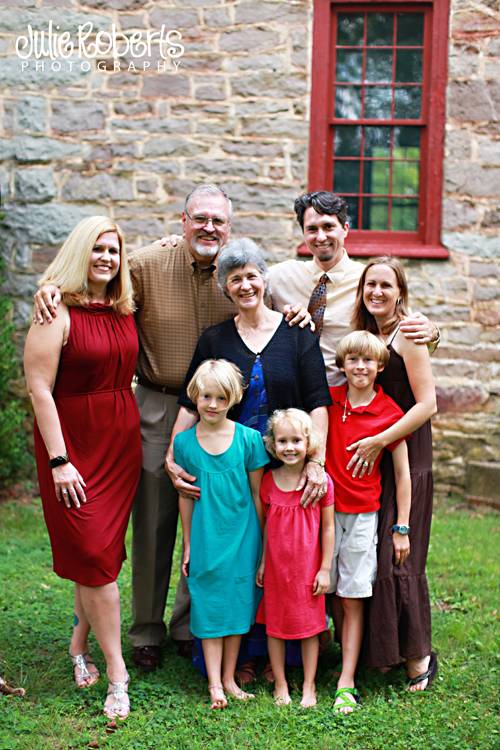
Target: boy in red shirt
x=360, y=409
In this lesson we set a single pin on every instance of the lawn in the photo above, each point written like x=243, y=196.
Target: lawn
x=170, y=707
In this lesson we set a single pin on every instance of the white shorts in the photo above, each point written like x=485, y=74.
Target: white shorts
x=354, y=565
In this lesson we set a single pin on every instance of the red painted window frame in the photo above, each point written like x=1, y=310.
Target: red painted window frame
x=426, y=242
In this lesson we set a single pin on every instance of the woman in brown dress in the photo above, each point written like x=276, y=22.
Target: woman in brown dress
x=398, y=618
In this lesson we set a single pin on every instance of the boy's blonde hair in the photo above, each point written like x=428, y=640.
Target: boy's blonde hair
x=298, y=419
x=70, y=268
x=364, y=343
x=227, y=376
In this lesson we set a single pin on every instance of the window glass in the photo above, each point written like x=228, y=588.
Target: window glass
x=410, y=28
x=409, y=65
x=348, y=102
x=347, y=140
x=380, y=29
x=346, y=177
x=350, y=29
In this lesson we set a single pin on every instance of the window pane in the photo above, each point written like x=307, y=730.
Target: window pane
x=377, y=141
x=404, y=215
x=348, y=102
x=380, y=28
x=406, y=143
x=409, y=65
x=408, y=102
x=378, y=102
x=379, y=65
x=410, y=28
x=353, y=204
x=376, y=177
x=346, y=176
x=347, y=141
x=350, y=29
x=349, y=65
x=405, y=177
x=375, y=213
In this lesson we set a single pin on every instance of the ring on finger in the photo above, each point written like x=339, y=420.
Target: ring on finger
x=365, y=463
x=65, y=492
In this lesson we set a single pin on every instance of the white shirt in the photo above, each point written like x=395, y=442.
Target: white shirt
x=294, y=280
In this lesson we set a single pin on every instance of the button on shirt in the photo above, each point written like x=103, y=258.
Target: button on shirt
x=176, y=300
x=294, y=280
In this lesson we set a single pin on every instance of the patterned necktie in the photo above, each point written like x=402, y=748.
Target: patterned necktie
x=317, y=304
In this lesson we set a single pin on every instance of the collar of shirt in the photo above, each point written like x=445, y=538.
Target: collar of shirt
x=195, y=265
x=375, y=407
x=336, y=273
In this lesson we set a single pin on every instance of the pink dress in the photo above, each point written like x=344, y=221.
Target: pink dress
x=293, y=557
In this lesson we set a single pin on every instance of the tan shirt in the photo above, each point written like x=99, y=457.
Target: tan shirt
x=293, y=281
x=176, y=300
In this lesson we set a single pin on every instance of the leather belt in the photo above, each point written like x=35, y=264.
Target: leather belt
x=159, y=388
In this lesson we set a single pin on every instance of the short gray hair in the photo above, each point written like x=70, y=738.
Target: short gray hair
x=208, y=189
x=236, y=254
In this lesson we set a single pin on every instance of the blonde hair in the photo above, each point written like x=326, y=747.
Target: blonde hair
x=227, y=376
x=69, y=269
x=298, y=419
x=364, y=343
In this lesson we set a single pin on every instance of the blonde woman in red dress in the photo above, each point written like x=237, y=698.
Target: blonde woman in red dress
x=87, y=441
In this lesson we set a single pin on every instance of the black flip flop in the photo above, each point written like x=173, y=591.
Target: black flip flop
x=428, y=675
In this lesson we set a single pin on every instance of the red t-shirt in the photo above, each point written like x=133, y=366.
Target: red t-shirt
x=357, y=495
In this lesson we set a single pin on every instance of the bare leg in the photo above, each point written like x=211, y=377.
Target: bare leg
x=229, y=657
x=310, y=650
x=276, y=648
x=212, y=651
x=352, y=633
x=79, y=644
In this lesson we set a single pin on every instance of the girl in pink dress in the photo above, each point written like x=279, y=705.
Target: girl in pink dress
x=298, y=550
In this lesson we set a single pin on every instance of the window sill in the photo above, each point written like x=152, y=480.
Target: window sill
x=399, y=246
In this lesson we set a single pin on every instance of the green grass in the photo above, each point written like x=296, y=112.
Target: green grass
x=170, y=707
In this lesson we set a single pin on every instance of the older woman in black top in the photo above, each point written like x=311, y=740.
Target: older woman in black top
x=282, y=365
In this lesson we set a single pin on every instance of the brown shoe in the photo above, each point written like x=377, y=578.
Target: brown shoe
x=185, y=648
x=147, y=657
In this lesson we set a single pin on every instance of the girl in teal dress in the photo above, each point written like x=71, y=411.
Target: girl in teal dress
x=222, y=530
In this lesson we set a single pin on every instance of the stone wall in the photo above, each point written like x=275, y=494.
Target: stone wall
x=234, y=108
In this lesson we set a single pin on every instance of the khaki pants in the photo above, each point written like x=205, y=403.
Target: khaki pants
x=154, y=525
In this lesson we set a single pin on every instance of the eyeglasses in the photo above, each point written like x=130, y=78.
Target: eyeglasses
x=200, y=220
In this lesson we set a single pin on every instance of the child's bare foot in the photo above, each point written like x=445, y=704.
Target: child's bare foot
x=217, y=697
x=308, y=695
x=281, y=694
x=232, y=688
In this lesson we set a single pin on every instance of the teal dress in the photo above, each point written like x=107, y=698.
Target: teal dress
x=225, y=533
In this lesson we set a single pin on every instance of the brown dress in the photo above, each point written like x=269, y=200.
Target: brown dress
x=398, y=625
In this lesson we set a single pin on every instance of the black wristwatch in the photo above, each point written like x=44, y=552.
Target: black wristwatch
x=400, y=529
x=58, y=461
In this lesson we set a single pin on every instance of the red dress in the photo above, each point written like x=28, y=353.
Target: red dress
x=293, y=557
x=100, y=423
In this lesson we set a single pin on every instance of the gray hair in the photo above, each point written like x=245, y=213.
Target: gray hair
x=239, y=253
x=209, y=189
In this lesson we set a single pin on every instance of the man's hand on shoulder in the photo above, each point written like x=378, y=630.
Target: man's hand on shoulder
x=46, y=301
x=418, y=328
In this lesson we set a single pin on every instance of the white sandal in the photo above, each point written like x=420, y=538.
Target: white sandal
x=117, y=704
x=86, y=678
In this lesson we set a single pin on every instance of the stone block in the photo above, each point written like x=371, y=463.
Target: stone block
x=459, y=398
x=33, y=149
x=49, y=223
x=276, y=63
x=458, y=143
x=207, y=62
x=248, y=38
x=223, y=168
x=259, y=11
x=255, y=107
x=472, y=244
x=458, y=214
x=98, y=187
x=491, y=219
x=463, y=61
x=216, y=127
x=210, y=92
x=473, y=100
x=133, y=108
x=472, y=179
x=484, y=270
x=482, y=482
x=485, y=293
x=165, y=84
x=273, y=86
x=128, y=21
x=491, y=69
x=488, y=150
x=151, y=125
x=150, y=228
x=78, y=116
x=22, y=314
x=173, y=18
x=217, y=17
x=34, y=185
x=275, y=127
x=146, y=185
x=172, y=147
x=31, y=114
x=42, y=256
x=124, y=149
x=262, y=197
x=5, y=191
x=115, y=4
